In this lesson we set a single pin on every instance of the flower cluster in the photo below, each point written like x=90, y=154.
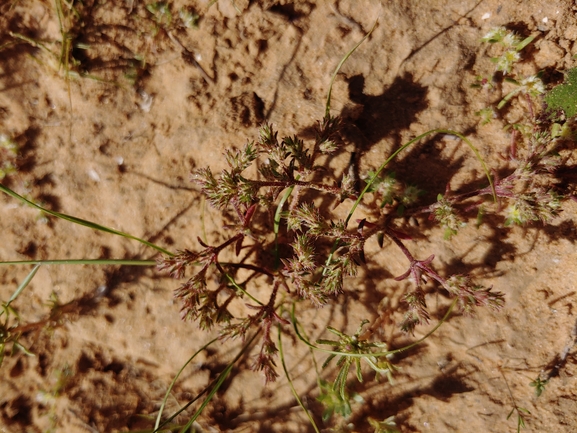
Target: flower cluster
x=471, y=295
x=511, y=45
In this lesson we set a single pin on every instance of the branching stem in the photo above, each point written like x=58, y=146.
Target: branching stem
x=299, y=183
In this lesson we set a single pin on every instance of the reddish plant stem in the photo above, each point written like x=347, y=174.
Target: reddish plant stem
x=416, y=266
x=216, y=250
x=400, y=244
x=247, y=266
x=285, y=184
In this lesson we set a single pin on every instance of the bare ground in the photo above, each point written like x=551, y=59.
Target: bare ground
x=121, y=154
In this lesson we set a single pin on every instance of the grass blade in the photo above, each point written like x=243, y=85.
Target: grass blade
x=294, y=391
x=413, y=141
x=339, y=66
x=218, y=383
x=24, y=283
x=157, y=424
x=123, y=262
x=81, y=221
x=215, y=385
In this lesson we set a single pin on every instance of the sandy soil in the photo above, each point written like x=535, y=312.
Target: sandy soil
x=119, y=149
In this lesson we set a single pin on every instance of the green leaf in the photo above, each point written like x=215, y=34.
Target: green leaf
x=539, y=385
x=522, y=409
x=564, y=96
x=524, y=43
x=511, y=413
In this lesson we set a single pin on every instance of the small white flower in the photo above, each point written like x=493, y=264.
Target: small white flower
x=511, y=40
x=533, y=85
x=507, y=60
x=495, y=35
x=7, y=143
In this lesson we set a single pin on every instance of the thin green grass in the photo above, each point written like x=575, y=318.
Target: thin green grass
x=81, y=221
x=340, y=65
x=410, y=143
x=159, y=417
x=291, y=384
x=124, y=262
x=212, y=388
x=23, y=284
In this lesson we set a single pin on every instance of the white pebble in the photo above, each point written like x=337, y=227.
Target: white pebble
x=93, y=175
